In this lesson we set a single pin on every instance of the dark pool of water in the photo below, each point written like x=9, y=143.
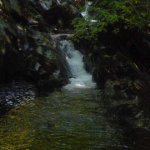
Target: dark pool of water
x=66, y=121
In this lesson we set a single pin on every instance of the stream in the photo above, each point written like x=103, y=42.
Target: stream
x=66, y=120
x=71, y=119
x=62, y=121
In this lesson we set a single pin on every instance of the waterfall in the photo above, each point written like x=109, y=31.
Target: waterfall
x=85, y=14
x=80, y=78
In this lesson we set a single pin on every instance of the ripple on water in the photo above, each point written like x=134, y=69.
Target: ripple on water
x=61, y=121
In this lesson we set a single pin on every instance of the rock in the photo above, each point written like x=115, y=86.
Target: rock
x=45, y=4
x=14, y=94
x=61, y=16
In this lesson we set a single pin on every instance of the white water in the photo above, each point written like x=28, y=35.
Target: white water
x=80, y=77
x=85, y=14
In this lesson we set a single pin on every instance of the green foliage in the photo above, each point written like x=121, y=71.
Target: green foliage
x=117, y=15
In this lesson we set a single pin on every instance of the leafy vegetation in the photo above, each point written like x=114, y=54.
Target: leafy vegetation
x=113, y=15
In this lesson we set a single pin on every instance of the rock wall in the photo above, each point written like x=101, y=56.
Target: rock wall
x=29, y=53
x=120, y=66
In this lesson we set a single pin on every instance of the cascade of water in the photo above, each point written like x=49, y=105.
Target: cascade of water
x=80, y=78
x=85, y=13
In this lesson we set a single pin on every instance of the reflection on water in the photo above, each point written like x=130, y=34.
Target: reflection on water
x=62, y=121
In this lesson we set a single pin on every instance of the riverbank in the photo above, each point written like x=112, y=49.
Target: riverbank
x=14, y=94
x=120, y=68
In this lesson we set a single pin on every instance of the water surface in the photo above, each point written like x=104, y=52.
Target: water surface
x=62, y=121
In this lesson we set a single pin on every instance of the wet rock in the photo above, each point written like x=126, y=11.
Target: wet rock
x=61, y=16
x=14, y=94
x=45, y=4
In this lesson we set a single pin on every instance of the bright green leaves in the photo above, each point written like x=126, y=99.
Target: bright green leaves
x=128, y=14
